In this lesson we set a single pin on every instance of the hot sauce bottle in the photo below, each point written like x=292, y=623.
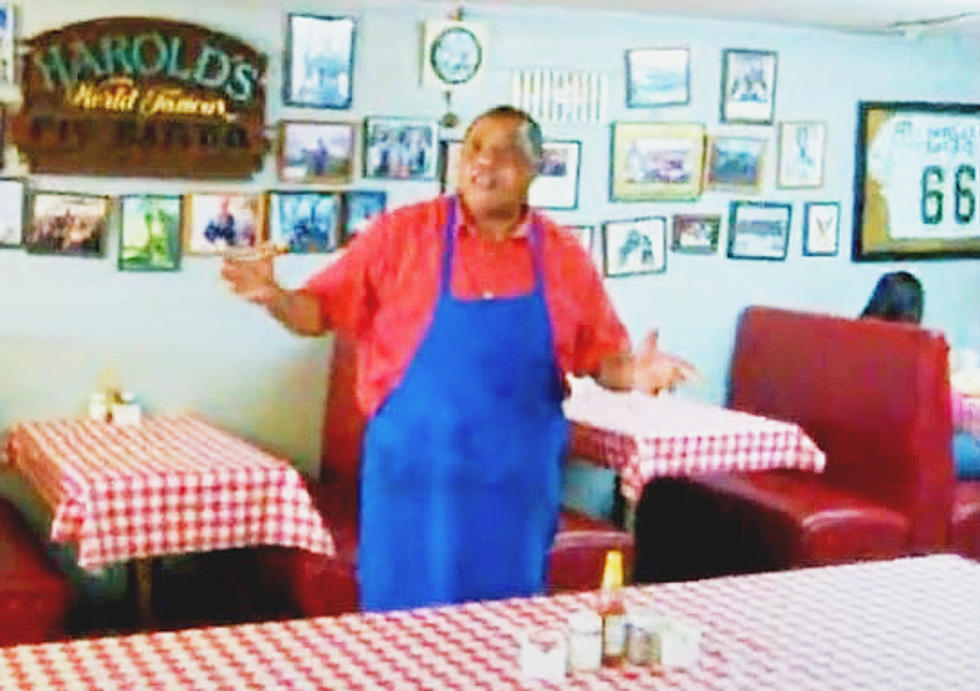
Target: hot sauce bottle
x=612, y=610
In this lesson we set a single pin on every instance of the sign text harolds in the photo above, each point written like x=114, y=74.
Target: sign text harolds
x=139, y=96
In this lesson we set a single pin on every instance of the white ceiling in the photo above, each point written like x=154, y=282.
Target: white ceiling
x=912, y=16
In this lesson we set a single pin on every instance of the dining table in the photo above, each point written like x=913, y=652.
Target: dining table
x=909, y=623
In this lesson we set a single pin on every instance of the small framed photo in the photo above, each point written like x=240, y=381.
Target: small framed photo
x=821, y=228
x=360, y=207
x=584, y=234
x=657, y=77
x=556, y=184
x=215, y=222
x=734, y=163
x=8, y=28
x=638, y=246
x=400, y=148
x=695, y=233
x=801, y=154
x=655, y=161
x=758, y=230
x=11, y=212
x=305, y=222
x=150, y=236
x=748, y=86
x=450, y=151
x=321, y=152
x=68, y=224
x=319, y=61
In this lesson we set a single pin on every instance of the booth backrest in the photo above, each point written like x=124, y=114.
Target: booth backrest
x=873, y=395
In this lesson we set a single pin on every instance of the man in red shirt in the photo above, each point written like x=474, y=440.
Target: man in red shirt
x=468, y=312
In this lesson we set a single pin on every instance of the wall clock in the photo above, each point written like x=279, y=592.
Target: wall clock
x=454, y=53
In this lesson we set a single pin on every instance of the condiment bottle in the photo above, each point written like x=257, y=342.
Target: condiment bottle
x=612, y=610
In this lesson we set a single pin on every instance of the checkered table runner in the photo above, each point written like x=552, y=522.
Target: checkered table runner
x=169, y=485
x=905, y=624
x=966, y=413
x=645, y=437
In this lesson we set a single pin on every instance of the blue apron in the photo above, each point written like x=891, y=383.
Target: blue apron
x=460, y=480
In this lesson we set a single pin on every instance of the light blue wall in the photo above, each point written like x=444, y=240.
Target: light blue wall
x=180, y=341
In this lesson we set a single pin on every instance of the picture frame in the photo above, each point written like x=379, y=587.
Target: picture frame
x=360, y=208
x=914, y=190
x=656, y=161
x=149, y=235
x=695, y=233
x=319, y=64
x=305, y=222
x=316, y=152
x=801, y=153
x=215, y=222
x=821, y=229
x=12, y=197
x=734, y=163
x=636, y=246
x=450, y=151
x=748, y=86
x=8, y=43
x=556, y=184
x=758, y=230
x=67, y=223
x=397, y=148
x=657, y=77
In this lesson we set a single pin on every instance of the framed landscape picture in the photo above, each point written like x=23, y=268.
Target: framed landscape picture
x=801, y=147
x=216, y=222
x=656, y=161
x=695, y=233
x=319, y=61
x=400, y=148
x=758, y=230
x=360, y=207
x=734, y=163
x=556, y=184
x=305, y=222
x=11, y=212
x=657, y=77
x=67, y=224
x=748, y=86
x=316, y=152
x=915, y=181
x=821, y=228
x=637, y=246
x=149, y=238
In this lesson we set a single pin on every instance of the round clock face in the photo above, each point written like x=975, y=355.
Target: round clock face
x=456, y=55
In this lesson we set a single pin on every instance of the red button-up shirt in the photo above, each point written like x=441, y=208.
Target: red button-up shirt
x=384, y=288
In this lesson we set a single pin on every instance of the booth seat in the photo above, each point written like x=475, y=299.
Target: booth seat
x=315, y=585
x=34, y=596
x=875, y=398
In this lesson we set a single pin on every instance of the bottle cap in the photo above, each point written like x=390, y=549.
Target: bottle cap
x=612, y=574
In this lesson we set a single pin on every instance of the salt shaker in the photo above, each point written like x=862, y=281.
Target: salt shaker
x=584, y=641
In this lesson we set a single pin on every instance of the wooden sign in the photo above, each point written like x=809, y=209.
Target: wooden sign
x=133, y=96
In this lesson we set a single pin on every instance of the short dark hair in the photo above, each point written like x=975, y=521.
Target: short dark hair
x=530, y=131
x=897, y=297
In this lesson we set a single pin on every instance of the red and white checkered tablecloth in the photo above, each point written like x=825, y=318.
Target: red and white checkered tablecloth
x=905, y=624
x=169, y=485
x=966, y=413
x=644, y=437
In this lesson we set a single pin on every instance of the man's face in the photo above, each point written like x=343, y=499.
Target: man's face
x=495, y=171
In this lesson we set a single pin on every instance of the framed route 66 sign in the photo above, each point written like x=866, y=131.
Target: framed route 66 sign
x=454, y=53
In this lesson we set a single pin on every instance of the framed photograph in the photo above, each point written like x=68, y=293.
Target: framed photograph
x=556, y=185
x=657, y=77
x=319, y=152
x=8, y=29
x=915, y=181
x=400, y=148
x=638, y=246
x=149, y=239
x=584, y=235
x=654, y=161
x=305, y=222
x=821, y=228
x=215, y=222
x=11, y=212
x=319, y=61
x=758, y=230
x=734, y=163
x=801, y=147
x=449, y=153
x=360, y=207
x=68, y=224
x=748, y=86
x=695, y=233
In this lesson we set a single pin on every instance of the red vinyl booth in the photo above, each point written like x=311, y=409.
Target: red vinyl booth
x=875, y=398
x=316, y=585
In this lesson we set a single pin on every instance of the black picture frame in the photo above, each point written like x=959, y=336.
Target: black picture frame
x=360, y=206
x=748, y=86
x=695, y=233
x=449, y=153
x=332, y=68
x=821, y=236
x=400, y=148
x=305, y=221
x=53, y=213
x=759, y=230
x=634, y=246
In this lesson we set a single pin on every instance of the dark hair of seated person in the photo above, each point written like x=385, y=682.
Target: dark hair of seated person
x=897, y=297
